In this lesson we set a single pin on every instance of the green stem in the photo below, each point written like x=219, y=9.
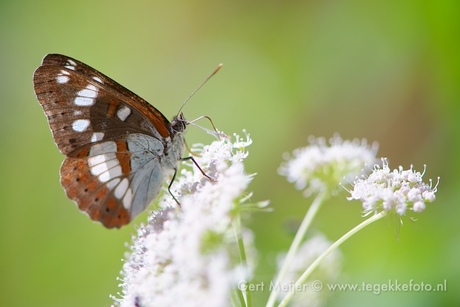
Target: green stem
x=318, y=260
x=243, y=259
x=239, y=299
x=311, y=213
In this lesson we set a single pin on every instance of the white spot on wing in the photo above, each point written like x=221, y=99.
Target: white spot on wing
x=70, y=67
x=104, y=167
x=97, y=79
x=112, y=183
x=86, y=96
x=90, y=91
x=123, y=113
x=128, y=199
x=110, y=174
x=70, y=64
x=92, y=161
x=80, y=125
x=103, y=149
x=77, y=112
x=97, y=136
x=120, y=190
x=61, y=79
x=84, y=101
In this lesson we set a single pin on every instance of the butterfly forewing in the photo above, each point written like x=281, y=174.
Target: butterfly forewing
x=78, y=98
x=98, y=79
x=113, y=139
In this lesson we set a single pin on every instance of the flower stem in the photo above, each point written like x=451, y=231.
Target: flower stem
x=311, y=213
x=246, y=296
x=318, y=260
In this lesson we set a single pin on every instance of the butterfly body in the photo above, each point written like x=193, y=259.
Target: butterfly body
x=118, y=147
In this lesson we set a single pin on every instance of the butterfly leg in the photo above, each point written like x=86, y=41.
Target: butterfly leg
x=175, y=173
x=169, y=188
x=197, y=165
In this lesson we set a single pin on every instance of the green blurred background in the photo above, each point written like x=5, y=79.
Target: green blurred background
x=387, y=71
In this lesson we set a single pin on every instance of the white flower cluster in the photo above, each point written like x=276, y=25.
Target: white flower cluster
x=397, y=190
x=186, y=256
x=320, y=167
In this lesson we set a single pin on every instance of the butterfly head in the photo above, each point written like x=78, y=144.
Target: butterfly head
x=178, y=124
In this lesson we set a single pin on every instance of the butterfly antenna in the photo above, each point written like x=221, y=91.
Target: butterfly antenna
x=216, y=132
x=199, y=86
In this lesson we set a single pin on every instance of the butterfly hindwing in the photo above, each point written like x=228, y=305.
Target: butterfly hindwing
x=92, y=196
x=115, y=181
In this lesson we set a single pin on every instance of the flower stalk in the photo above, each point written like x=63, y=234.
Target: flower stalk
x=334, y=246
x=299, y=237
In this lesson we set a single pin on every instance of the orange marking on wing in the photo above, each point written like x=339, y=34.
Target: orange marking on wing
x=111, y=203
x=111, y=110
x=155, y=116
x=94, y=213
x=117, y=216
x=159, y=123
x=124, y=157
x=79, y=184
x=81, y=153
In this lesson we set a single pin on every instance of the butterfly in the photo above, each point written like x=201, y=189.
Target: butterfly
x=119, y=148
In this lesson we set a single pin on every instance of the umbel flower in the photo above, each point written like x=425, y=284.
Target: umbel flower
x=188, y=256
x=319, y=166
x=393, y=191
x=318, y=169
